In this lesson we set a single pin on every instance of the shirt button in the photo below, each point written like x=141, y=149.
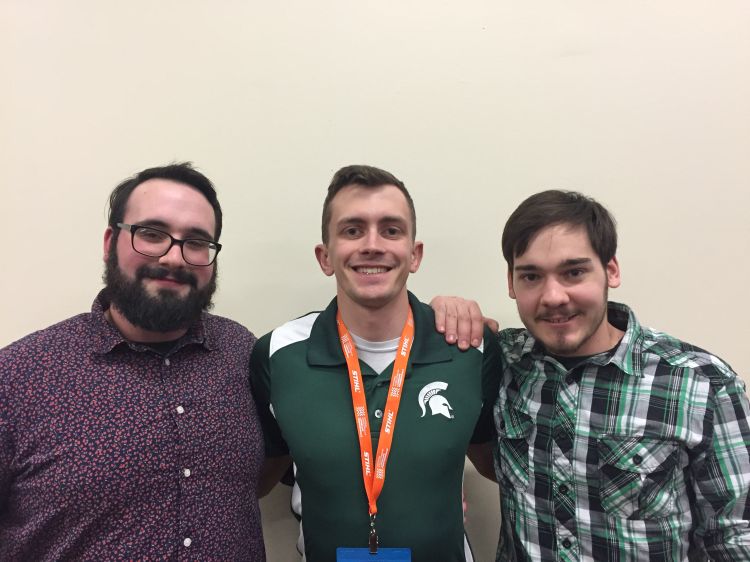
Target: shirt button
x=563, y=489
x=180, y=410
x=378, y=414
x=166, y=361
x=637, y=459
x=566, y=543
x=186, y=472
x=187, y=541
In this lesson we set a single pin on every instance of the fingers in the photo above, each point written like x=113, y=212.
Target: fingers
x=492, y=324
x=464, y=322
x=438, y=305
x=459, y=319
x=476, y=324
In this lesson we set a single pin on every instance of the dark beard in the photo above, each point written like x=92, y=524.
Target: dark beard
x=166, y=312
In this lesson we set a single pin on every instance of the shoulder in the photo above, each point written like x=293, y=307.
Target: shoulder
x=291, y=332
x=513, y=340
x=420, y=308
x=676, y=353
x=61, y=334
x=223, y=326
x=282, y=338
x=513, y=335
x=51, y=348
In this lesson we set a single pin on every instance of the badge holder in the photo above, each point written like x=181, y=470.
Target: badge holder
x=383, y=554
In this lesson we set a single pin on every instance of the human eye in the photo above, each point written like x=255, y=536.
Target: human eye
x=575, y=273
x=151, y=235
x=392, y=231
x=529, y=277
x=197, y=244
x=351, y=231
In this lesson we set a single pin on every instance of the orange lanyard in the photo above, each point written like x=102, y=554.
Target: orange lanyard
x=374, y=480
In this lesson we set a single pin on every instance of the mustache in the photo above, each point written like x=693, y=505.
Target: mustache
x=159, y=272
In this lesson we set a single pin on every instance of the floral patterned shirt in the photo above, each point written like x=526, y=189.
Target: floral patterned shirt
x=110, y=450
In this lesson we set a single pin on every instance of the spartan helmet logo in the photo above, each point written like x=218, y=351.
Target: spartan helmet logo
x=430, y=396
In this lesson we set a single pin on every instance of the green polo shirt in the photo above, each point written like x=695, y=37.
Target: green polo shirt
x=302, y=390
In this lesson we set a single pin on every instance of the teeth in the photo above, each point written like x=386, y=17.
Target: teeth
x=559, y=320
x=371, y=270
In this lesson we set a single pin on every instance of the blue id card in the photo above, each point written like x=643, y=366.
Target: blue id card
x=360, y=554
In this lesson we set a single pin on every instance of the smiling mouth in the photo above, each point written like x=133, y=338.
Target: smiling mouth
x=171, y=285
x=558, y=319
x=368, y=270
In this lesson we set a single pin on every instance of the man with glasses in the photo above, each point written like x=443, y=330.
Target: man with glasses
x=129, y=432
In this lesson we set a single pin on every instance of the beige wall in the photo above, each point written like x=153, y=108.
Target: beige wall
x=475, y=105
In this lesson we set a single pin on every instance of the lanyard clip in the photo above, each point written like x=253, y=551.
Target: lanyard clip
x=373, y=541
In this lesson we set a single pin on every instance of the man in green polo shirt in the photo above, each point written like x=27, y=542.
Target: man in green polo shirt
x=397, y=415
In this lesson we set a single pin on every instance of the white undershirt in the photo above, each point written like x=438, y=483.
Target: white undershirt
x=377, y=354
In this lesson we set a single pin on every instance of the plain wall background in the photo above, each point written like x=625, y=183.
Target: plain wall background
x=475, y=105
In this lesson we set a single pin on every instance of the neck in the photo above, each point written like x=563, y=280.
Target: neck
x=375, y=324
x=133, y=333
x=614, y=334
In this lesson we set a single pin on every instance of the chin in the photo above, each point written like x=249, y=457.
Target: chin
x=558, y=347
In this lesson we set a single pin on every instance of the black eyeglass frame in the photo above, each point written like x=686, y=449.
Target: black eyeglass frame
x=133, y=228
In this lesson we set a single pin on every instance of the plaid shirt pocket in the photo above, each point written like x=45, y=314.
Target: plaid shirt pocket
x=514, y=431
x=637, y=476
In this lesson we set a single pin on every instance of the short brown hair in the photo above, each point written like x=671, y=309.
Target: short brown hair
x=556, y=207
x=365, y=176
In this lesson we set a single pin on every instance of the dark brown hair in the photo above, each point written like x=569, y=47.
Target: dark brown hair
x=556, y=207
x=365, y=176
x=182, y=172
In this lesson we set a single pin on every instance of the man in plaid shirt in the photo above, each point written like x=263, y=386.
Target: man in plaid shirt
x=615, y=442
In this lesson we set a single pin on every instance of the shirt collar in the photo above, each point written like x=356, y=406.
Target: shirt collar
x=627, y=355
x=107, y=337
x=429, y=345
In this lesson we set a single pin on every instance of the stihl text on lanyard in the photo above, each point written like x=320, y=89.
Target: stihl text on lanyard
x=374, y=477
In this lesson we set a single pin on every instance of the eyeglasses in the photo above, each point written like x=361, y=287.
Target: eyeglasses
x=156, y=243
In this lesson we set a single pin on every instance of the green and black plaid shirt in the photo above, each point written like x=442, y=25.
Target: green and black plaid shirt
x=639, y=454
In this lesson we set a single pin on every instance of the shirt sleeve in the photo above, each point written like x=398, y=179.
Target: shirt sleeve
x=260, y=384
x=722, y=473
x=6, y=443
x=484, y=430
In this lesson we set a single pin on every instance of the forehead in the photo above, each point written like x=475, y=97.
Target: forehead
x=358, y=201
x=555, y=244
x=175, y=204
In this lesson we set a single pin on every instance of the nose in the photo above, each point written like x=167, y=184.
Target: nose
x=173, y=257
x=554, y=293
x=372, y=242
